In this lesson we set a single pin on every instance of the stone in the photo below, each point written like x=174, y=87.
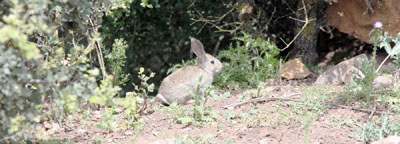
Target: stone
x=339, y=75
x=263, y=141
x=350, y=73
x=344, y=71
x=384, y=81
x=388, y=140
x=355, y=61
x=294, y=69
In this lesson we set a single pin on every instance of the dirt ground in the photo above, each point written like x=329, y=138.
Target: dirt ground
x=275, y=121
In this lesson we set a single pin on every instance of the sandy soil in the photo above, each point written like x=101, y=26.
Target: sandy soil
x=277, y=121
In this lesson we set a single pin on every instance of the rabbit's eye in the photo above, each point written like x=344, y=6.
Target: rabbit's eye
x=212, y=61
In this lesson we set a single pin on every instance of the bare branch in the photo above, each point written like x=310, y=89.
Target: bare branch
x=306, y=22
x=285, y=98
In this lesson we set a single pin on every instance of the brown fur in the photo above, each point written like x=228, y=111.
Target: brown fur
x=180, y=85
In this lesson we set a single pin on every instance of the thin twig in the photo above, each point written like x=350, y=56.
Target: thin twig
x=382, y=63
x=285, y=98
x=283, y=41
x=306, y=22
x=361, y=110
x=101, y=60
x=99, y=51
x=272, y=15
x=214, y=20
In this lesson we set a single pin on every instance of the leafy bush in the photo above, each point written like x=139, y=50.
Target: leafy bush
x=24, y=91
x=117, y=59
x=49, y=53
x=385, y=126
x=253, y=60
x=105, y=93
x=130, y=106
x=36, y=80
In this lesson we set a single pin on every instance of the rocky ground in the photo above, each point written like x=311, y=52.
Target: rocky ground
x=290, y=112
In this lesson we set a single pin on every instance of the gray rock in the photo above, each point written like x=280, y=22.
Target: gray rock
x=344, y=71
x=384, y=81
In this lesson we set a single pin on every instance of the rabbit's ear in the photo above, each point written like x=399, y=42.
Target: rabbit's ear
x=198, y=49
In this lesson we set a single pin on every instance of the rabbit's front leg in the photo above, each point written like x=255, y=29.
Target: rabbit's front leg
x=199, y=94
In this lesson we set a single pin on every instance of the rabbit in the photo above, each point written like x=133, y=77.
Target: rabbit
x=176, y=87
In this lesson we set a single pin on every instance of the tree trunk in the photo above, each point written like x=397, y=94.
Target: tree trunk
x=305, y=46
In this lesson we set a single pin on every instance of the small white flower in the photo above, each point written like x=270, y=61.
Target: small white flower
x=378, y=24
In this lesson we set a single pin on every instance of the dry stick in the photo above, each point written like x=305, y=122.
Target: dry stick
x=362, y=110
x=372, y=114
x=382, y=63
x=99, y=51
x=101, y=60
x=285, y=98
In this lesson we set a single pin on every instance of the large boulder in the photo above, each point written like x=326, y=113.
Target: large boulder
x=357, y=17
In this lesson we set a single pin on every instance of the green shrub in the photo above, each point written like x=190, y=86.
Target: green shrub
x=375, y=130
x=130, y=106
x=363, y=88
x=117, y=59
x=105, y=93
x=251, y=61
x=46, y=64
